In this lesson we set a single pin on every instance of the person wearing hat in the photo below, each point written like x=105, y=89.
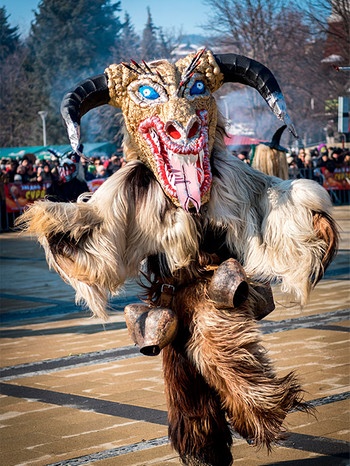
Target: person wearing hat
x=270, y=157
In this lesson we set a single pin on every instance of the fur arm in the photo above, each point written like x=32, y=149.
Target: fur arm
x=280, y=230
x=69, y=234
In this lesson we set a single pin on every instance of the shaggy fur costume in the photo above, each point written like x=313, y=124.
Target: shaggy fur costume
x=96, y=245
x=217, y=375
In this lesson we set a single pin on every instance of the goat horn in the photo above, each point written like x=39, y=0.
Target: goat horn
x=89, y=94
x=244, y=70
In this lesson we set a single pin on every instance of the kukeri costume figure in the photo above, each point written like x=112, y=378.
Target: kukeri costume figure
x=207, y=231
x=70, y=183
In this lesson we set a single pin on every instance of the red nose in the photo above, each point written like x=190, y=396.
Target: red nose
x=175, y=134
x=193, y=131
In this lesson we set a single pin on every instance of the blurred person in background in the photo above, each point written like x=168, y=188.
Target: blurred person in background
x=114, y=164
x=44, y=174
x=293, y=170
x=300, y=160
x=271, y=157
x=11, y=170
x=101, y=171
x=337, y=157
x=325, y=162
x=346, y=161
x=243, y=155
x=90, y=171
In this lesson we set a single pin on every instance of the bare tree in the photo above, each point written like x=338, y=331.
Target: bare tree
x=292, y=44
x=331, y=18
x=269, y=31
x=248, y=26
x=20, y=123
x=329, y=21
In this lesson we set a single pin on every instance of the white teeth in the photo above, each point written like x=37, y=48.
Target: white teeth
x=184, y=159
x=169, y=174
x=171, y=155
x=200, y=174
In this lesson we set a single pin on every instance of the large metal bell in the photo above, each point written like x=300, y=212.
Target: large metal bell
x=229, y=286
x=151, y=328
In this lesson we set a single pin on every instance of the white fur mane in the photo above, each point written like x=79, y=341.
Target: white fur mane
x=269, y=223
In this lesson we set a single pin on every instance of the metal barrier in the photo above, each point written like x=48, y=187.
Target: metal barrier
x=7, y=218
x=339, y=194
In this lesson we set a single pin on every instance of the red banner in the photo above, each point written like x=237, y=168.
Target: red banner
x=339, y=179
x=19, y=195
x=94, y=184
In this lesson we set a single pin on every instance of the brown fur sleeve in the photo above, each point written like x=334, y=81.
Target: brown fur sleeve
x=327, y=230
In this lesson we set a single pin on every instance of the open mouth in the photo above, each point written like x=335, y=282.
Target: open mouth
x=182, y=162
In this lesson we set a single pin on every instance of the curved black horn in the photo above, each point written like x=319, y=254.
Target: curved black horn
x=89, y=94
x=244, y=70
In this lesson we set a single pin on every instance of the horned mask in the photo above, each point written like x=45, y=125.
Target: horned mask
x=170, y=114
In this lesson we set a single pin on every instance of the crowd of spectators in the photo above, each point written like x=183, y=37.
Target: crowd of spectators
x=102, y=167
x=321, y=164
x=321, y=157
x=30, y=169
x=328, y=165
x=305, y=162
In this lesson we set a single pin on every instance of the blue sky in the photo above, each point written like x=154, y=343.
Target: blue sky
x=174, y=15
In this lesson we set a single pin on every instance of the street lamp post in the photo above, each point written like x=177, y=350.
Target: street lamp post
x=43, y=115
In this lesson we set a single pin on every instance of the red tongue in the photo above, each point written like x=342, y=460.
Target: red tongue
x=186, y=183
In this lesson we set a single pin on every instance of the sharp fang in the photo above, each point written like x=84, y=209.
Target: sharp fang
x=201, y=157
x=155, y=138
x=193, y=158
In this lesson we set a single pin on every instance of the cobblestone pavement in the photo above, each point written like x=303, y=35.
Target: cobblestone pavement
x=76, y=391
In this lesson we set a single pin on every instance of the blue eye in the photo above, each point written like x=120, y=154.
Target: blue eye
x=148, y=92
x=198, y=88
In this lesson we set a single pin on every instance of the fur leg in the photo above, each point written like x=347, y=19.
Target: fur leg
x=225, y=347
x=198, y=429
